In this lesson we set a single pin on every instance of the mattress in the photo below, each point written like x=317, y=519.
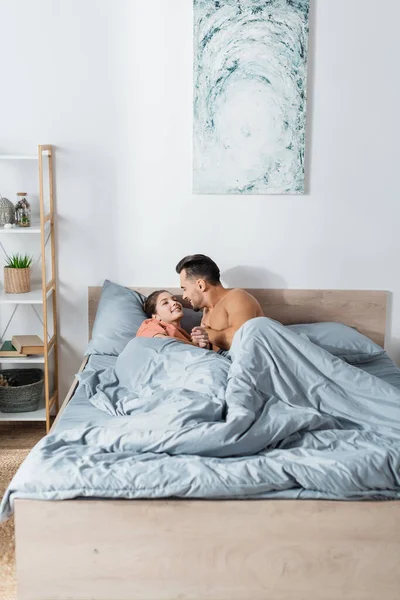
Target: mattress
x=79, y=409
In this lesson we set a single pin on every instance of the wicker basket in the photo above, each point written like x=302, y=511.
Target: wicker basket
x=17, y=281
x=26, y=394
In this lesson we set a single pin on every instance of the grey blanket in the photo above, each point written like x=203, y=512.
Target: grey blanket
x=284, y=419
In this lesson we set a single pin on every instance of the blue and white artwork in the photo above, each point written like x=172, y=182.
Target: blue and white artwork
x=250, y=75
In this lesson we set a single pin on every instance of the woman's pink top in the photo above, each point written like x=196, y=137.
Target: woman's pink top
x=151, y=327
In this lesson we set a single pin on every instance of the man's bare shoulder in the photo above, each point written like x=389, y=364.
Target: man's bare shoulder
x=237, y=296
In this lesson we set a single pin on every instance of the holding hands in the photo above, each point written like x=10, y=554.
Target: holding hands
x=199, y=337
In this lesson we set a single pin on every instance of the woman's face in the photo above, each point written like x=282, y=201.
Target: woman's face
x=168, y=309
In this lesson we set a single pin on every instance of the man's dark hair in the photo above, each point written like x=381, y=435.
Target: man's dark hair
x=199, y=265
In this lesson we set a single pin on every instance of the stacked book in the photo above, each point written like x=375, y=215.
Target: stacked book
x=22, y=346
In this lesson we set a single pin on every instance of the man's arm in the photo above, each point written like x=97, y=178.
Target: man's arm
x=240, y=308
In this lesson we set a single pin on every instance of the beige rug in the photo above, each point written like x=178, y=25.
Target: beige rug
x=16, y=440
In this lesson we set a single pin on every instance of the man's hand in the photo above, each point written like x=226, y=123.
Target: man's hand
x=199, y=337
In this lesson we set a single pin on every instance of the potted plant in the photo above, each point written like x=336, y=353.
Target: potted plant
x=17, y=274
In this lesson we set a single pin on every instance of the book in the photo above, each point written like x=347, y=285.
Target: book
x=7, y=349
x=28, y=344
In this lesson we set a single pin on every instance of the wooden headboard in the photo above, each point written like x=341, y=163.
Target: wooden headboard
x=364, y=310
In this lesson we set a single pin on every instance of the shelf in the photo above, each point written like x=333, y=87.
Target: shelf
x=43, y=227
x=23, y=360
x=35, y=228
x=33, y=359
x=23, y=156
x=34, y=415
x=18, y=157
x=33, y=297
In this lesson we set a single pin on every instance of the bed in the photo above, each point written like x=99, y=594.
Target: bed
x=216, y=549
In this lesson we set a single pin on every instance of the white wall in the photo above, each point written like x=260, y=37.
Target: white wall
x=110, y=85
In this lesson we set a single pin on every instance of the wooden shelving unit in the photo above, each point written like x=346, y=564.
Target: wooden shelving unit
x=44, y=296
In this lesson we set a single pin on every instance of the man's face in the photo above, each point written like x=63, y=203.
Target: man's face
x=191, y=291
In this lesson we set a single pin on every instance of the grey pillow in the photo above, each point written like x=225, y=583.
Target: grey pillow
x=119, y=315
x=342, y=341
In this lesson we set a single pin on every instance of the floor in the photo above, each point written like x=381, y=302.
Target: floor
x=16, y=440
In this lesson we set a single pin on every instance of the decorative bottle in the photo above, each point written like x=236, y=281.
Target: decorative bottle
x=22, y=211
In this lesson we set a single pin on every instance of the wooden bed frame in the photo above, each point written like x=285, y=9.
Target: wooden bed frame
x=218, y=549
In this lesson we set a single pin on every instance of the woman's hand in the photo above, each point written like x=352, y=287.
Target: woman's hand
x=199, y=337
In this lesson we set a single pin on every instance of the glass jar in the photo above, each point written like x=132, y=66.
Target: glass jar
x=22, y=211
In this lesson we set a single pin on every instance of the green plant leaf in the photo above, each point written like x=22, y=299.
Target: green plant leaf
x=19, y=261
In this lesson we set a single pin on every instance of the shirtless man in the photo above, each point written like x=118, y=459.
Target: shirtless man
x=224, y=311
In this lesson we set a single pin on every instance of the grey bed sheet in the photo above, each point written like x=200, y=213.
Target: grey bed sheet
x=384, y=368
x=79, y=410
x=283, y=419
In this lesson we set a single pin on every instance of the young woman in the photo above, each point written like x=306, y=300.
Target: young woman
x=165, y=314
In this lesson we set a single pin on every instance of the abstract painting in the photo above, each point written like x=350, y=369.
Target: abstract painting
x=250, y=76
